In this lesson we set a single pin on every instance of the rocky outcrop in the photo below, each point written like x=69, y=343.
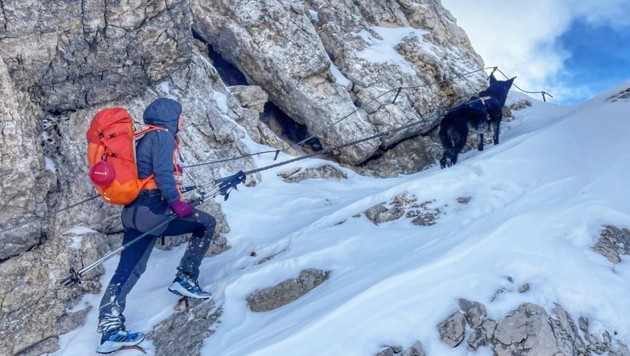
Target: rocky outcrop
x=622, y=95
x=287, y=291
x=34, y=308
x=613, y=242
x=183, y=333
x=415, y=350
x=527, y=330
x=317, y=62
x=322, y=172
x=278, y=49
x=405, y=205
x=431, y=48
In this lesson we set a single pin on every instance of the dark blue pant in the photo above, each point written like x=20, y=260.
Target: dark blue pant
x=146, y=212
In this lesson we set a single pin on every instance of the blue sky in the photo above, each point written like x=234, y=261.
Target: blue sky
x=599, y=55
x=571, y=49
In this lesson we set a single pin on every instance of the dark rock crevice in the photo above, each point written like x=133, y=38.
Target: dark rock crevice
x=288, y=129
x=229, y=73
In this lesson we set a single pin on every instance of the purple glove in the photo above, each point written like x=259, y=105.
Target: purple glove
x=181, y=209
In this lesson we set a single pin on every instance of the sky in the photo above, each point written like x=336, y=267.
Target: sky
x=571, y=49
x=537, y=205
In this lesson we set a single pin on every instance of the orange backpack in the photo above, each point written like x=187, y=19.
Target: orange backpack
x=111, y=156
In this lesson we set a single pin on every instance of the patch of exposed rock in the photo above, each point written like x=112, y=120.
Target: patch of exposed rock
x=414, y=350
x=622, y=95
x=527, y=330
x=613, y=242
x=183, y=333
x=510, y=288
x=287, y=291
x=519, y=105
x=299, y=174
x=452, y=330
x=405, y=204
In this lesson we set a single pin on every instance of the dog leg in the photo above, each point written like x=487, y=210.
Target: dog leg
x=496, y=127
x=480, y=144
x=454, y=155
x=449, y=158
x=443, y=161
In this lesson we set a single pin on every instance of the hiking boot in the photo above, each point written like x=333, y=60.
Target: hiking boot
x=187, y=288
x=113, y=341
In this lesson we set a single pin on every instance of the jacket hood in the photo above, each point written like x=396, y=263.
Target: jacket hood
x=163, y=112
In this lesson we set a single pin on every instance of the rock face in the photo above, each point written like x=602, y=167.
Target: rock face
x=34, y=307
x=277, y=47
x=317, y=61
x=68, y=54
x=62, y=62
x=24, y=179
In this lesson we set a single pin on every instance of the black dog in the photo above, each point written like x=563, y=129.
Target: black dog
x=477, y=115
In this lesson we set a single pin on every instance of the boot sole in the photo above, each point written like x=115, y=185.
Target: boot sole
x=184, y=293
x=108, y=349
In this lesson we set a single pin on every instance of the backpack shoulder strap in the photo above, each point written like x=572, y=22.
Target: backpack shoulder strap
x=147, y=130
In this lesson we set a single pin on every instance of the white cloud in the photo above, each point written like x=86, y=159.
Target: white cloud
x=519, y=36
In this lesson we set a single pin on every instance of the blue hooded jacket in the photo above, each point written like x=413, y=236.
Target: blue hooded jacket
x=154, y=151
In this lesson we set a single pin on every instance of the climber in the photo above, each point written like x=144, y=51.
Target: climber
x=156, y=154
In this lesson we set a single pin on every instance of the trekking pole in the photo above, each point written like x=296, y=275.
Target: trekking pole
x=224, y=188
